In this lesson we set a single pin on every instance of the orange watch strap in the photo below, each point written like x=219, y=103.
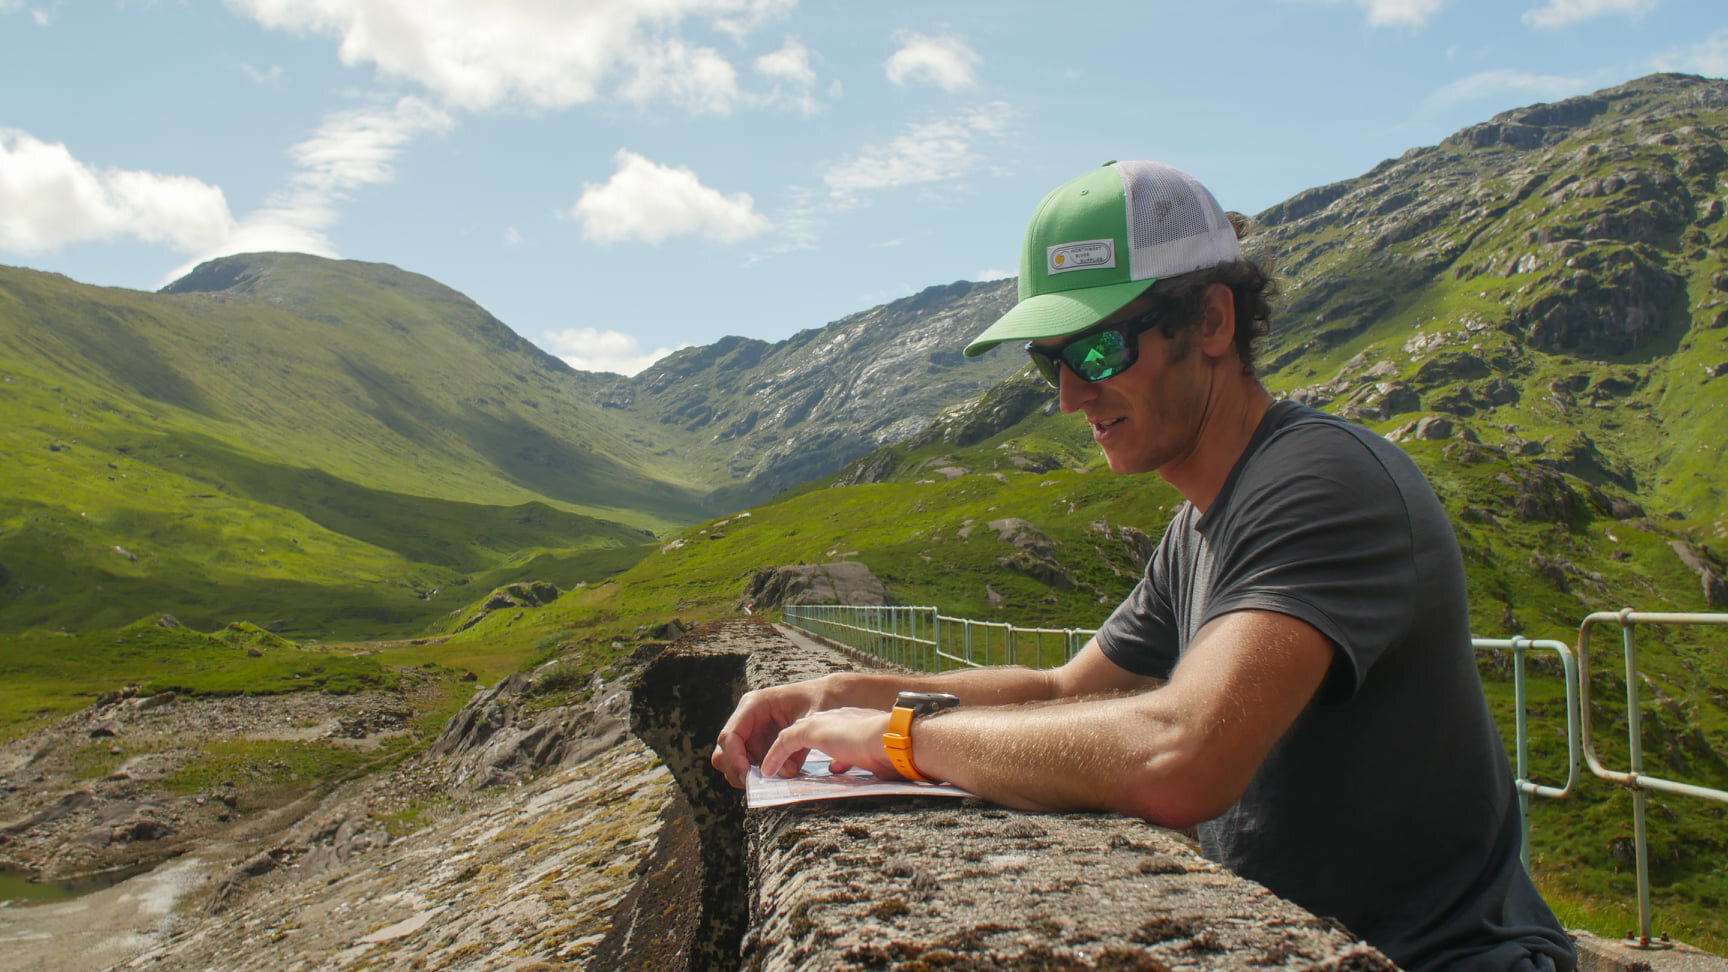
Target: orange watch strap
x=897, y=743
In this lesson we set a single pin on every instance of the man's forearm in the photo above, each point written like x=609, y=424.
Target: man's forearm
x=974, y=686
x=1077, y=754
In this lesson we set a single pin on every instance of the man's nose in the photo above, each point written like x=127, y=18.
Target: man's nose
x=1072, y=391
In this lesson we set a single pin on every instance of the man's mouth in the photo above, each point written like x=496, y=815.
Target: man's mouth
x=1098, y=428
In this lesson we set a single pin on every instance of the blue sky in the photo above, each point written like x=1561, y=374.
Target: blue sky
x=618, y=178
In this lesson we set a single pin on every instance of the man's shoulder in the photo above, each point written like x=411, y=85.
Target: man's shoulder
x=1302, y=432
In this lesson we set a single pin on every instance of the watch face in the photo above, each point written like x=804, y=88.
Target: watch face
x=924, y=703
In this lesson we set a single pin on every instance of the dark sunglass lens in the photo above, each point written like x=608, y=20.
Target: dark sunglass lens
x=1045, y=364
x=1098, y=356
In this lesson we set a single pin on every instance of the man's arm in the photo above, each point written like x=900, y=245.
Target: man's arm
x=1175, y=755
x=761, y=715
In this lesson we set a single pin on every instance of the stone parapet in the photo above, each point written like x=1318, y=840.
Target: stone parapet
x=924, y=883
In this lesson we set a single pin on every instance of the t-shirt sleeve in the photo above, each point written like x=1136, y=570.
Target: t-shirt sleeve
x=1320, y=532
x=1141, y=635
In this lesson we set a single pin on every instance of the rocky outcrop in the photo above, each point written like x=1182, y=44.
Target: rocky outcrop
x=1709, y=573
x=500, y=737
x=841, y=582
x=1034, y=555
x=994, y=412
x=512, y=596
x=1587, y=221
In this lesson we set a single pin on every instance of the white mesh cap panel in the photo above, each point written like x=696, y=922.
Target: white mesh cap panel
x=1174, y=224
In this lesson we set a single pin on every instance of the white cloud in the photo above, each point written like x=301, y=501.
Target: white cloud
x=547, y=54
x=943, y=61
x=648, y=202
x=512, y=236
x=269, y=75
x=1503, y=84
x=356, y=148
x=1708, y=57
x=993, y=274
x=928, y=152
x=590, y=349
x=1414, y=14
x=350, y=150
x=790, y=63
x=788, y=70
x=696, y=79
x=48, y=199
x=1563, y=13
x=752, y=15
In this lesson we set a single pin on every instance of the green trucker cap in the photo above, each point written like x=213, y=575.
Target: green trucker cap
x=1098, y=241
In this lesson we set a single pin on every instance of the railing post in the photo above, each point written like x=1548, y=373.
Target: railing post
x=1519, y=732
x=1634, y=731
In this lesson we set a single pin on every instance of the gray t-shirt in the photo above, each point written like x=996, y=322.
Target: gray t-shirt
x=1389, y=803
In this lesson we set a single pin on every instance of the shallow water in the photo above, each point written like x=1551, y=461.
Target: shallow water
x=17, y=887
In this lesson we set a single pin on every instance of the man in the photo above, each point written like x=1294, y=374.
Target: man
x=1293, y=675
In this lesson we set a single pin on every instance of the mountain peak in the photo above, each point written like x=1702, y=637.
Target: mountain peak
x=294, y=275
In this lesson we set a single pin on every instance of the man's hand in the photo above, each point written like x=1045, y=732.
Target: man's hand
x=758, y=719
x=851, y=737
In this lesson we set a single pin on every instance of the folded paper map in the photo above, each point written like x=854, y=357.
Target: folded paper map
x=817, y=783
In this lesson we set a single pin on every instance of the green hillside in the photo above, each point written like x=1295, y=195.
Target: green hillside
x=247, y=455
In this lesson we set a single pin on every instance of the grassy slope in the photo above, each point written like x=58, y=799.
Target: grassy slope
x=164, y=436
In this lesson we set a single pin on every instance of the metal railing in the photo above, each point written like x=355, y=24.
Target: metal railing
x=923, y=638
x=1527, y=788
x=1634, y=779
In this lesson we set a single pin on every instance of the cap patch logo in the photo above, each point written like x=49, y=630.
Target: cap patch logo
x=1083, y=255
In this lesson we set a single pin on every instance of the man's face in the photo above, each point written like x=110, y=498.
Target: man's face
x=1149, y=415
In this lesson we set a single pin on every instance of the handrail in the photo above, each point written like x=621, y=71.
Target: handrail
x=1634, y=779
x=954, y=641
x=1527, y=788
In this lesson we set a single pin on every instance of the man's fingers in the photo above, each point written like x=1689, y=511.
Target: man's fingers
x=728, y=764
x=781, y=755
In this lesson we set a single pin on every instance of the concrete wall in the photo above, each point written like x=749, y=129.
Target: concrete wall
x=929, y=883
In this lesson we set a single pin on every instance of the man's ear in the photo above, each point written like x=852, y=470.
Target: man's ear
x=1218, y=317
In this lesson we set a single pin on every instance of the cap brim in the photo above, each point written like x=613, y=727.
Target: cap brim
x=1057, y=314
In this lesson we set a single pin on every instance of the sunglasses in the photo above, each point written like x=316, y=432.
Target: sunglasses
x=1095, y=355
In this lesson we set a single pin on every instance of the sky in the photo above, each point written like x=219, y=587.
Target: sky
x=616, y=179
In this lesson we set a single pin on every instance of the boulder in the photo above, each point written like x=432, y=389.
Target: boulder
x=1034, y=555
x=842, y=582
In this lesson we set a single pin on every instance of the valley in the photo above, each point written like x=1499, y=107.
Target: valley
x=266, y=533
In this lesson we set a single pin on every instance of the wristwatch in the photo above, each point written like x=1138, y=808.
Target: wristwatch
x=897, y=741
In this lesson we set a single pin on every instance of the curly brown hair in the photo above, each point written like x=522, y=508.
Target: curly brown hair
x=1183, y=297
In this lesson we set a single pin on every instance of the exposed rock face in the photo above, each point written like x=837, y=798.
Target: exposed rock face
x=843, y=582
x=519, y=595
x=486, y=876
x=1033, y=555
x=1589, y=204
x=1709, y=573
x=59, y=824
x=771, y=416
x=499, y=739
x=993, y=412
